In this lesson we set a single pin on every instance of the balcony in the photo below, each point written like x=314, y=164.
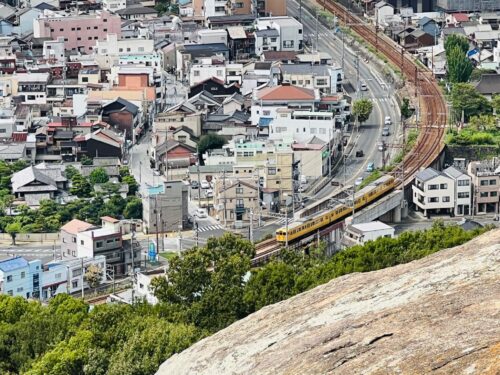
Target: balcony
x=240, y=209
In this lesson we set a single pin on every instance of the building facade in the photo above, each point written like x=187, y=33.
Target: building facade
x=433, y=192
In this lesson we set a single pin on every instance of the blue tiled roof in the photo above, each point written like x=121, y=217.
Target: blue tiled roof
x=13, y=264
x=265, y=121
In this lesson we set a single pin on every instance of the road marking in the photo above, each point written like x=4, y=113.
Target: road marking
x=209, y=228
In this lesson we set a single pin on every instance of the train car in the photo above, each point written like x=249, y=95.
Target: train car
x=312, y=224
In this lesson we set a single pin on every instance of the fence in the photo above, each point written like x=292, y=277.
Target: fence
x=32, y=237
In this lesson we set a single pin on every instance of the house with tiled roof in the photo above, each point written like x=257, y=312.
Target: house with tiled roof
x=32, y=184
x=69, y=232
x=268, y=99
x=489, y=85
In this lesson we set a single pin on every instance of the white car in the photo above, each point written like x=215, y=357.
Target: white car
x=205, y=184
x=201, y=213
x=387, y=120
x=381, y=146
x=358, y=181
x=209, y=193
x=364, y=87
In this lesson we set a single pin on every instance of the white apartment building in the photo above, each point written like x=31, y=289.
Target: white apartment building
x=463, y=190
x=53, y=50
x=303, y=125
x=107, y=52
x=32, y=87
x=359, y=234
x=208, y=68
x=209, y=36
x=114, y=5
x=278, y=34
x=213, y=8
x=7, y=123
x=434, y=192
x=326, y=78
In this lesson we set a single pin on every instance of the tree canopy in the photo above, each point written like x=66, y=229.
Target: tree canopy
x=362, y=109
x=467, y=100
x=209, y=142
x=98, y=176
x=459, y=66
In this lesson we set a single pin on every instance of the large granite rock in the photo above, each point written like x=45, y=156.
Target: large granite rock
x=437, y=315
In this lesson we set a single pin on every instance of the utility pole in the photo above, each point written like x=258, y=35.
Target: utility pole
x=199, y=179
x=157, y=227
x=300, y=11
x=286, y=229
x=224, y=196
x=196, y=231
x=357, y=76
x=251, y=225
x=317, y=33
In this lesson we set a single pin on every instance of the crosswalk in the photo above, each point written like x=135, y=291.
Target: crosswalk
x=283, y=221
x=210, y=228
x=387, y=100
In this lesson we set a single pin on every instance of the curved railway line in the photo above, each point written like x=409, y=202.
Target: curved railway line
x=433, y=109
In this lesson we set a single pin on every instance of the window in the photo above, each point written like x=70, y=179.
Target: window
x=85, y=79
x=76, y=272
x=72, y=29
x=58, y=275
x=484, y=182
x=20, y=289
x=23, y=275
x=110, y=241
x=95, y=27
x=98, y=244
x=74, y=240
x=271, y=171
x=433, y=199
x=10, y=293
x=493, y=182
x=433, y=187
x=484, y=194
x=31, y=97
x=120, y=49
x=300, y=31
x=239, y=5
x=219, y=73
x=128, y=49
x=273, y=40
x=267, y=113
x=313, y=130
x=322, y=131
x=78, y=38
x=463, y=195
x=493, y=193
x=140, y=49
x=78, y=28
x=446, y=199
x=443, y=186
x=74, y=284
x=9, y=278
x=196, y=73
x=463, y=182
x=81, y=242
x=321, y=82
x=239, y=190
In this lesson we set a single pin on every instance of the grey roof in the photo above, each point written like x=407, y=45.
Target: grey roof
x=453, y=172
x=267, y=33
x=12, y=151
x=136, y=9
x=381, y=4
x=6, y=11
x=211, y=168
x=424, y=21
x=205, y=50
x=233, y=18
x=453, y=30
x=235, y=97
x=131, y=107
x=428, y=174
x=53, y=171
x=304, y=69
x=489, y=84
x=28, y=175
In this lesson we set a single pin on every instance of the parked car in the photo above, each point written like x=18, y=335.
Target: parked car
x=385, y=132
x=201, y=213
x=370, y=167
x=381, y=146
x=303, y=179
x=156, y=173
x=205, y=184
x=195, y=185
x=387, y=120
x=358, y=181
x=209, y=193
x=359, y=154
x=363, y=87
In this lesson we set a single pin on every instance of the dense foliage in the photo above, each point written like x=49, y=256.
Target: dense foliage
x=90, y=206
x=210, y=141
x=362, y=109
x=468, y=102
x=206, y=289
x=459, y=66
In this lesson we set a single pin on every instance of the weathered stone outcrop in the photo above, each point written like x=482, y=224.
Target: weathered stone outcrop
x=438, y=315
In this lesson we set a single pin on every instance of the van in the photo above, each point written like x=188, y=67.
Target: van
x=303, y=179
x=370, y=167
x=201, y=213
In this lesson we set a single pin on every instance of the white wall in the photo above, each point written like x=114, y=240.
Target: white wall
x=301, y=130
x=449, y=191
x=200, y=73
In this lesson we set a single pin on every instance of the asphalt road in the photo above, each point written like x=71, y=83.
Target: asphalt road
x=368, y=134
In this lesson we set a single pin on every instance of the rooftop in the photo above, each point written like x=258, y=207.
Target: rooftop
x=75, y=226
x=285, y=92
x=371, y=227
x=9, y=265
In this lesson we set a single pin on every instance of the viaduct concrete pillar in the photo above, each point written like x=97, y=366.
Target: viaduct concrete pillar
x=396, y=215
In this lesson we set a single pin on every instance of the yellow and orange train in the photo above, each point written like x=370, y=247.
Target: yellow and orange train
x=310, y=225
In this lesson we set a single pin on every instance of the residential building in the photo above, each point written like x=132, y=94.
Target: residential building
x=268, y=8
x=223, y=22
x=183, y=114
x=142, y=285
x=80, y=31
x=113, y=5
x=359, y=234
x=486, y=184
x=208, y=68
x=241, y=7
x=32, y=87
x=7, y=123
x=124, y=116
x=169, y=154
x=108, y=50
x=467, y=5
x=210, y=8
x=189, y=54
x=489, y=85
x=434, y=192
x=236, y=200
x=278, y=34
x=19, y=277
x=165, y=208
x=241, y=43
x=69, y=233
x=209, y=36
x=214, y=86
x=326, y=78
x=137, y=12
x=312, y=158
x=463, y=190
x=383, y=10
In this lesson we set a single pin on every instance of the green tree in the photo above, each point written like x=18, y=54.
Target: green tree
x=133, y=186
x=477, y=74
x=456, y=40
x=486, y=123
x=80, y=186
x=93, y=275
x=114, y=207
x=406, y=111
x=362, y=109
x=85, y=160
x=459, y=66
x=133, y=209
x=209, y=142
x=13, y=229
x=495, y=102
x=70, y=171
x=98, y=176
x=467, y=100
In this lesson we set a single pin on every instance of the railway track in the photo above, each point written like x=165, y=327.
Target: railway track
x=433, y=109
x=264, y=250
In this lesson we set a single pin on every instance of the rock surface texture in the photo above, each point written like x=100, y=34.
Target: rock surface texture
x=438, y=315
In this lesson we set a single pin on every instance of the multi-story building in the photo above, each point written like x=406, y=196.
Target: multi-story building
x=463, y=190
x=206, y=69
x=107, y=52
x=235, y=200
x=69, y=233
x=268, y=8
x=240, y=7
x=32, y=87
x=486, y=184
x=326, y=78
x=80, y=31
x=7, y=123
x=165, y=208
x=210, y=8
x=19, y=277
x=434, y=192
x=278, y=34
